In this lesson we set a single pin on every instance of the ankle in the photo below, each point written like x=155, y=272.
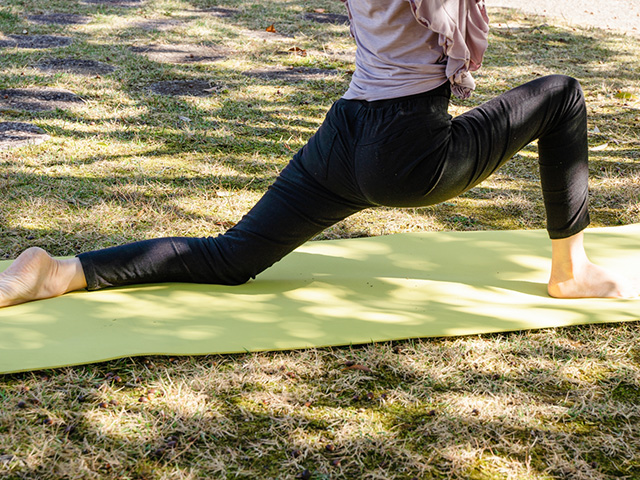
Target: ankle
x=568, y=258
x=70, y=274
x=568, y=268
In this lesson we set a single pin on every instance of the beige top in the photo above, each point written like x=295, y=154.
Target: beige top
x=405, y=47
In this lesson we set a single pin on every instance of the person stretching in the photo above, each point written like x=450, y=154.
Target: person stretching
x=388, y=141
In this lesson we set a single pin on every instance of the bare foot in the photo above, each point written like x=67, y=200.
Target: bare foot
x=574, y=276
x=34, y=275
x=590, y=280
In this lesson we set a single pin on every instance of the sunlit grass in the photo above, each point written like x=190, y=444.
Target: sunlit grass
x=126, y=165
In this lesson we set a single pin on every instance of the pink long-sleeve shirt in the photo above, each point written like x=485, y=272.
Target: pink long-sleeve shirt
x=406, y=47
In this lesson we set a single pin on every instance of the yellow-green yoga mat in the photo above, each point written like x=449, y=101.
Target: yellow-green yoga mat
x=336, y=292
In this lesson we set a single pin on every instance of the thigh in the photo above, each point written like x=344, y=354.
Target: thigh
x=550, y=109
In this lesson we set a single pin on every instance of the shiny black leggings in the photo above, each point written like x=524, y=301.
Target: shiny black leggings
x=402, y=152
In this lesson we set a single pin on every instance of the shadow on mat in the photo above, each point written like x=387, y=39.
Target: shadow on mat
x=327, y=293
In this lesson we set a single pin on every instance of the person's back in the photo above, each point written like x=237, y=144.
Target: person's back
x=396, y=55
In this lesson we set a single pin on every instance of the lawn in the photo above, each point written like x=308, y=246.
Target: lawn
x=126, y=162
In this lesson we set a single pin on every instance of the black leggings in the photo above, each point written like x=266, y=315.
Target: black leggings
x=403, y=152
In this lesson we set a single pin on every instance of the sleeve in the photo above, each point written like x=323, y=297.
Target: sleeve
x=462, y=27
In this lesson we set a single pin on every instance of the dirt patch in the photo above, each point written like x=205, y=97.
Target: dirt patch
x=186, y=88
x=37, y=99
x=219, y=12
x=34, y=41
x=19, y=134
x=288, y=74
x=159, y=25
x=75, y=65
x=266, y=36
x=333, y=18
x=59, y=19
x=182, y=53
x=115, y=3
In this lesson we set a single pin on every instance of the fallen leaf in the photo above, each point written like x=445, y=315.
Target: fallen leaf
x=625, y=95
x=300, y=51
x=225, y=224
x=319, y=10
x=271, y=29
x=599, y=147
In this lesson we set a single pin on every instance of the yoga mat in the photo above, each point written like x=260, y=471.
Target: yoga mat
x=337, y=292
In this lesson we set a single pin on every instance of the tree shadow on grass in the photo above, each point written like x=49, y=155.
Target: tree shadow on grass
x=258, y=419
x=586, y=427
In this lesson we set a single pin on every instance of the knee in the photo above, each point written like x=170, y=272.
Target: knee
x=566, y=84
x=565, y=95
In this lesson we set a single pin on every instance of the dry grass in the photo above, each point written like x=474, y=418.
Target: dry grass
x=533, y=405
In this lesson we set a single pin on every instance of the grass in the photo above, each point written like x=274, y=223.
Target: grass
x=560, y=403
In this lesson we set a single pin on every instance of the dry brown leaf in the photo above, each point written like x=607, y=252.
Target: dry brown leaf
x=225, y=224
x=300, y=51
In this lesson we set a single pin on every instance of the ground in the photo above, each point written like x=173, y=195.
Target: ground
x=128, y=162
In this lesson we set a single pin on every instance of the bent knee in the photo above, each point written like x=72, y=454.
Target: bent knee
x=564, y=83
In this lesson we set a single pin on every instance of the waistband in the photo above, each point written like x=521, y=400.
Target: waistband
x=443, y=90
